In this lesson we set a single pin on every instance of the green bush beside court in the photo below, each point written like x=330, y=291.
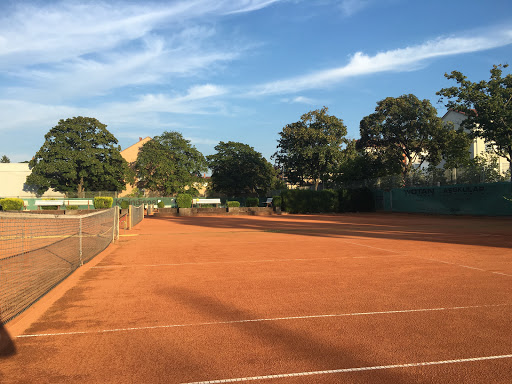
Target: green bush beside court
x=184, y=200
x=328, y=201
x=232, y=204
x=252, y=202
x=11, y=204
x=103, y=202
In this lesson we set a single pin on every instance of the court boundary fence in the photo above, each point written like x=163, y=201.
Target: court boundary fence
x=37, y=252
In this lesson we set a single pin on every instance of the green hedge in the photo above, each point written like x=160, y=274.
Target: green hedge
x=328, y=201
x=232, y=204
x=125, y=204
x=252, y=202
x=276, y=201
x=184, y=200
x=161, y=204
x=356, y=200
x=71, y=207
x=11, y=204
x=103, y=202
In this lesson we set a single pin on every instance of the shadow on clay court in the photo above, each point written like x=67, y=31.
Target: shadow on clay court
x=7, y=347
x=481, y=231
x=299, y=346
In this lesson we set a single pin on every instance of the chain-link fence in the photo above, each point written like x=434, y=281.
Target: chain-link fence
x=136, y=215
x=39, y=251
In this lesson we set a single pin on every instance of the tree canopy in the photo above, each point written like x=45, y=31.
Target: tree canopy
x=169, y=164
x=310, y=149
x=5, y=159
x=487, y=105
x=404, y=131
x=237, y=169
x=79, y=154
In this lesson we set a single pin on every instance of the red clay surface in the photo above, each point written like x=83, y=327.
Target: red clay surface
x=328, y=299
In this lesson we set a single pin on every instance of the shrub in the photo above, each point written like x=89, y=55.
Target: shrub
x=71, y=207
x=307, y=201
x=11, y=204
x=232, y=204
x=252, y=202
x=184, y=200
x=103, y=202
x=356, y=200
x=125, y=204
x=276, y=201
x=161, y=204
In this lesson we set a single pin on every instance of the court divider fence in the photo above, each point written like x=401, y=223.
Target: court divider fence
x=39, y=251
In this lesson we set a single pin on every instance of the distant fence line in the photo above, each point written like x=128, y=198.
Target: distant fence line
x=466, y=199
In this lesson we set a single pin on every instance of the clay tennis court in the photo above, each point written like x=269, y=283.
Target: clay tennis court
x=368, y=298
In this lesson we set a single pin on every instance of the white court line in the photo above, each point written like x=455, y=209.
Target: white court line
x=264, y=320
x=426, y=258
x=358, y=369
x=220, y=262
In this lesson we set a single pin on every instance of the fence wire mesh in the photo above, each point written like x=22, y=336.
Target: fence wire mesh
x=137, y=214
x=39, y=251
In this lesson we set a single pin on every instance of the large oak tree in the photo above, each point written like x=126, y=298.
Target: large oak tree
x=238, y=169
x=169, y=164
x=79, y=154
x=405, y=131
x=309, y=150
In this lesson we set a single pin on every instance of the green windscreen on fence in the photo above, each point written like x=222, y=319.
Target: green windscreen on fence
x=469, y=199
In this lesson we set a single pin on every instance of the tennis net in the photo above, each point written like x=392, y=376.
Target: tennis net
x=39, y=251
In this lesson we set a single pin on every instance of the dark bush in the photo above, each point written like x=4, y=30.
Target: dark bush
x=232, y=204
x=252, y=202
x=276, y=201
x=161, y=204
x=356, y=200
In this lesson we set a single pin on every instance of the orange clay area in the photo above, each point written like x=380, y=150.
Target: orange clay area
x=363, y=298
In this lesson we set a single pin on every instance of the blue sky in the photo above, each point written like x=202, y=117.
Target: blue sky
x=220, y=70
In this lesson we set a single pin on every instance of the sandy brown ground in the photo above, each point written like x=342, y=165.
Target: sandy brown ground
x=181, y=300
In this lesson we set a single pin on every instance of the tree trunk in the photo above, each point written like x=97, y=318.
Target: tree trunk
x=317, y=181
x=80, y=187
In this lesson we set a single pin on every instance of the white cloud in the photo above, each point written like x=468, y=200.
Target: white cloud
x=350, y=7
x=395, y=60
x=299, y=100
x=78, y=51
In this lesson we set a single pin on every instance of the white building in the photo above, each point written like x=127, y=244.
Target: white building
x=12, y=181
x=478, y=146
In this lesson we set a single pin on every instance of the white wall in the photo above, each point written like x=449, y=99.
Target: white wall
x=12, y=180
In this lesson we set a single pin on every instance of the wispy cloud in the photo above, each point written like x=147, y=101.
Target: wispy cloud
x=350, y=7
x=98, y=47
x=299, y=100
x=394, y=60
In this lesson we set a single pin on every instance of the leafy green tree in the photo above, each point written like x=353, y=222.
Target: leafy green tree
x=5, y=159
x=403, y=131
x=79, y=154
x=310, y=149
x=169, y=164
x=357, y=166
x=487, y=105
x=237, y=169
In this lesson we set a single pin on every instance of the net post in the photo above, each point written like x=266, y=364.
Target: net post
x=80, y=241
x=130, y=216
x=114, y=228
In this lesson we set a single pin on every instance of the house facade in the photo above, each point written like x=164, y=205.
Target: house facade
x=478, y=146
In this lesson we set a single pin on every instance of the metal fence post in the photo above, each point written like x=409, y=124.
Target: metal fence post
x=80, y=241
